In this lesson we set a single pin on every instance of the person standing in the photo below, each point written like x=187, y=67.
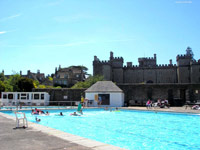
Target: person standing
x=99, y=100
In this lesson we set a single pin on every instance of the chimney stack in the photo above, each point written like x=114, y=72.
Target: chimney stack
x=170, y=61
x=129, y=64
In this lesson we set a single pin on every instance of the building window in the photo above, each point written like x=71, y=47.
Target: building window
x=66, y=76
x=36, y=96
x=77, y=75
x=4, y=96
x=42, y=96
x=18, y=96
x=65, y=82
x=10, y=96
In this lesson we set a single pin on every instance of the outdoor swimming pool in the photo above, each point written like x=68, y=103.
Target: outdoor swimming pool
x=128, y=129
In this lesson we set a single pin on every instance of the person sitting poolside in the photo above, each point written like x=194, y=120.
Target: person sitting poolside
x=148, y=104
x=195, y=107
x=166, y=102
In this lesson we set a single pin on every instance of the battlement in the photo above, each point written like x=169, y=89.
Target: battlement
x=103, y=62
x=183, y=57
x=146, y=58
x=195, y=62
x=160, y=66
x=118, y=59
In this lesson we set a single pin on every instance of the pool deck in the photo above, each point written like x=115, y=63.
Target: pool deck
x=37, y=136
x=171, y=109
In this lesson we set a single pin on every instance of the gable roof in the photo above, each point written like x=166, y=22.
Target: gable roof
x=104, y=86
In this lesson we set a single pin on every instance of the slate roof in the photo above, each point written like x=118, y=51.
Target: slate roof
x=104, y=86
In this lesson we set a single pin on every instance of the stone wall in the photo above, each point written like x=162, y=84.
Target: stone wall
x=61, y=95
x=177, y=94
x=195, y=74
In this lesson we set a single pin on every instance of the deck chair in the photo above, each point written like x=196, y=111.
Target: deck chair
x=21, y=116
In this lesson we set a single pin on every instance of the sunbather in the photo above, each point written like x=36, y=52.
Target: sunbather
x=195, y=107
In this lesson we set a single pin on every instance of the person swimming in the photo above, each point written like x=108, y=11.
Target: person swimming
x=47, y=113
x=74, y=114
x=37, y=120
x=61, y=114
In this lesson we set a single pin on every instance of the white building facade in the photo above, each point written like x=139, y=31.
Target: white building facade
x=25, y=98
x=107, y=92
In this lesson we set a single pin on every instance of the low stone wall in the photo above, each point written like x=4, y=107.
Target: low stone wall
x=63, y=95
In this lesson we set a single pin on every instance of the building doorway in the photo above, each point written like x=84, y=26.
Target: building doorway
x=170, y=97
x=105, y=99
x=182, y=96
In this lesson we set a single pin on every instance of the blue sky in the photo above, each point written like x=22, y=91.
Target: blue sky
x=43, y=34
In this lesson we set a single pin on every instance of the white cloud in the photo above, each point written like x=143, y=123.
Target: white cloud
x=10, y=17
x=2, y=32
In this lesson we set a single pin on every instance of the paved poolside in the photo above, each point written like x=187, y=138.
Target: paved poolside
x=171, y=109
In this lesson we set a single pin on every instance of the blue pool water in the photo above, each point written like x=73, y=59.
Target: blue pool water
x=129, y=129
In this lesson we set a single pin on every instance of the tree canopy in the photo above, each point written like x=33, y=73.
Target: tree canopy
x=88, y=82
x=189, y=52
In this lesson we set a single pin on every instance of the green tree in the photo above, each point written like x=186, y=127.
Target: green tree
x=41, y=86
x=12, y=83
x=2, y=77
x=25, y=84
x=50, y=78
x=88, y=82
x=2, y=86
x=36, y=83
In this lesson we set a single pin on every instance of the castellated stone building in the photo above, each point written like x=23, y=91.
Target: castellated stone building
x=178, y=82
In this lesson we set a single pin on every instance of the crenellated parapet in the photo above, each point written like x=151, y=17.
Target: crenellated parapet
x=146, y=58
x=165, y=66
x=118, y=58
x=195, y=62
x=103, y=62
x=183, y=57
x=160, y=66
